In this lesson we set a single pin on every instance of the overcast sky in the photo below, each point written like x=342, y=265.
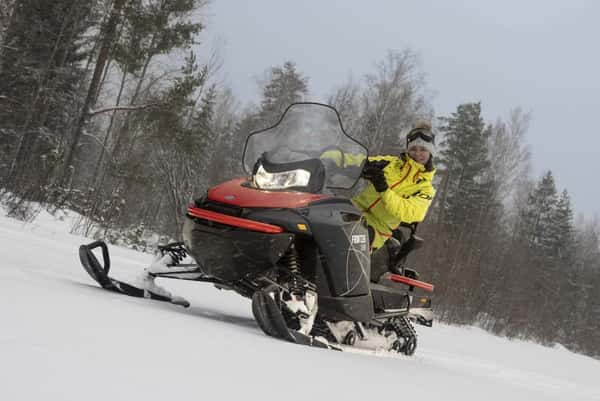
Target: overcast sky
x=541, y=55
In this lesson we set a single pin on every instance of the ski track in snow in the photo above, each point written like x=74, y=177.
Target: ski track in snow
x=64, y=338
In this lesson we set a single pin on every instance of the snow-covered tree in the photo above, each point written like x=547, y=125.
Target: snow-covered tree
x=41, y=72
x=464, y=166
x=285, y=85
x=468, y=210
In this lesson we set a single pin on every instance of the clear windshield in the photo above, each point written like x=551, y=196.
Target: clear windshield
x=309, y=131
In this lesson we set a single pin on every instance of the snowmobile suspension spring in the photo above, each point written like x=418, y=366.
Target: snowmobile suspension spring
x=291, y=260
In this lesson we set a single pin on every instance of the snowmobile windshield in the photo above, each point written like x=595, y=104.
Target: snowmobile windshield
x=306, y=150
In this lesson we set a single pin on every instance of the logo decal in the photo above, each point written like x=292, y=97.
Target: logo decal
x=359, y=240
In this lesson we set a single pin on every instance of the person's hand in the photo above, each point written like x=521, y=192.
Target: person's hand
x=379, y=182
x=373, y=171
x=372, y=167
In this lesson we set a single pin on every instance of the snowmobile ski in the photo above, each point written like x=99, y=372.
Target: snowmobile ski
x=271, y=321
x=99, y=272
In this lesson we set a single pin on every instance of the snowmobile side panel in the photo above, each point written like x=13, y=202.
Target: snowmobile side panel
x=359, y=308
x=343, y=240
x=229, y=253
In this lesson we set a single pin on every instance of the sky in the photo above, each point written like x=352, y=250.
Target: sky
x=542, y=56
x=65, y=338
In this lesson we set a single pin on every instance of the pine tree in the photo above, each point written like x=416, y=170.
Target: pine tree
x=566, y=271
x=152, y=109
x=135, y=33
x=538, y=216
x=173, y=141
x=463, y=165
x=538, y=275
x=585, y=317
x=285, y=86
x=469, y=212
x=41, y=72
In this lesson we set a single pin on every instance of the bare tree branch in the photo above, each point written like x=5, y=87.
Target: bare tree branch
x=93, y=113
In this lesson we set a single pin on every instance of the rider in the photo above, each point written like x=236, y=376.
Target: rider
x=401, y=188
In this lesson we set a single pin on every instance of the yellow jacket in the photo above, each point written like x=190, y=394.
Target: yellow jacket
x=407, y=198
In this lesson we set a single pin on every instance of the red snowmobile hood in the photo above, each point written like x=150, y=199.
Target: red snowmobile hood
x=234, y=193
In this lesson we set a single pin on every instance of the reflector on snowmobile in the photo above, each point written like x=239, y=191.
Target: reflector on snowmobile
x=409, y=281
x=234, y=221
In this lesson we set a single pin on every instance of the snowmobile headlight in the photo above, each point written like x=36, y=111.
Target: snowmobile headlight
x=285, y=179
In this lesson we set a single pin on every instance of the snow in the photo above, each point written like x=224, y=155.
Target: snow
x=64, y=338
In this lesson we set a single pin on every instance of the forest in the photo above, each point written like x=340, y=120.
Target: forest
x=108, y=109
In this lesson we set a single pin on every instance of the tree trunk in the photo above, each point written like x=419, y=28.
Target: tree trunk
x=27, y=140
x=136, y=93
x=107, y=39
x=109, y=129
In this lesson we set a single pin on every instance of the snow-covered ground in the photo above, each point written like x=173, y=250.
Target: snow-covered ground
x=64, y=338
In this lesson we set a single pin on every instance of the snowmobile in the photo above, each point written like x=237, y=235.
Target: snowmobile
x=286, y=238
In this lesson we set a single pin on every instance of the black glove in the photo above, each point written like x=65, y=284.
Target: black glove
x=373, y=171
x=379, y=181
x=371, y=166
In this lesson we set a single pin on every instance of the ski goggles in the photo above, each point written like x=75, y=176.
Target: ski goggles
x=427, y=136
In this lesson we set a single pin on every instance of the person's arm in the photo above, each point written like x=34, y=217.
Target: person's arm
x=350, y=160
x=410, y=209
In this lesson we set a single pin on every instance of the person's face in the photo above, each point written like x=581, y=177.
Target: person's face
x=420, y=154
